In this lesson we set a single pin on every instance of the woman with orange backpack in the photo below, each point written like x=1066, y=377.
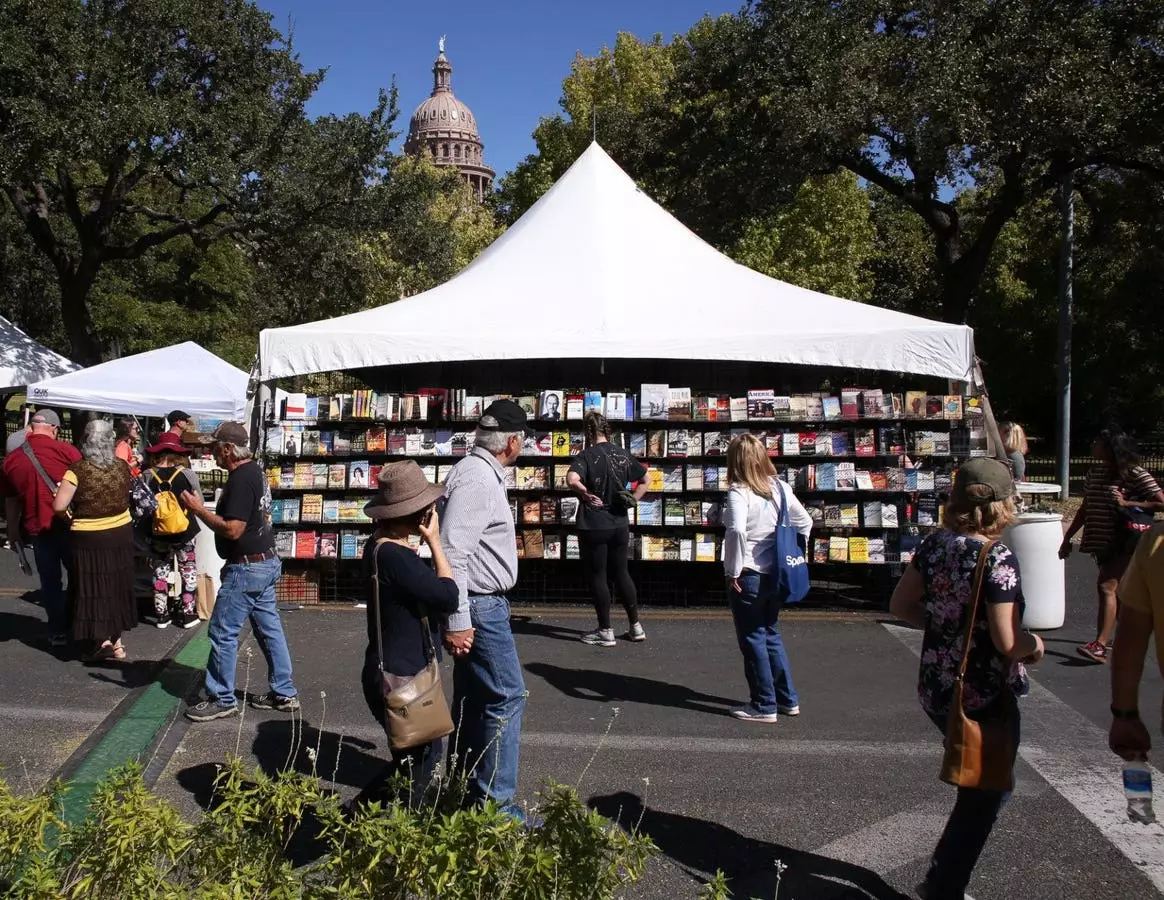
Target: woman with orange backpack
x=172, y=531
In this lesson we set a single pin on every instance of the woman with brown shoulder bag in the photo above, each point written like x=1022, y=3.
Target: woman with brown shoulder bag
x=963, y=588
x=406, y=599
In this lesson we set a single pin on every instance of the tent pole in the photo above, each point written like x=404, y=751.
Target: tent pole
x=993, y=437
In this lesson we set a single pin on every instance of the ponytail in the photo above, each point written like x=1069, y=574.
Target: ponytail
x=595, y=425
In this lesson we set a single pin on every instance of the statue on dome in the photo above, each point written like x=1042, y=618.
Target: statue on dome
x=441, y=43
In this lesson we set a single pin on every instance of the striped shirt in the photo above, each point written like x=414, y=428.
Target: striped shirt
x=1100, y=494
x=478, y=533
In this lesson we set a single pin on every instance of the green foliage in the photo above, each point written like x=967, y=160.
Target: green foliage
x=133, y=846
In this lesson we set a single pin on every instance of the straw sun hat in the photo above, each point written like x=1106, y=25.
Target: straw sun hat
x=402, y=490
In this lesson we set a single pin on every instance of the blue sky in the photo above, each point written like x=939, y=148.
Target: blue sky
x=509, y=56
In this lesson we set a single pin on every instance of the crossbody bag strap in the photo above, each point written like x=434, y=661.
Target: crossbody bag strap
x=52, y=485
x=782, y=506
x=376, y=602
x=975, y=593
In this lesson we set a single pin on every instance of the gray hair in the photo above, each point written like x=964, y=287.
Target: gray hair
x=239, y=453
x=495, y=441
x=97, y=445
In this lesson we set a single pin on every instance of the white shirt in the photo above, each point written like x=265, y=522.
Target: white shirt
x=750, y=522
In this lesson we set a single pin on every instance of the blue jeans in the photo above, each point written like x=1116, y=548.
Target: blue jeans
x=51, y=553
x=966, y=832
x=488, y=700
x=756, y=613
x=248, y=591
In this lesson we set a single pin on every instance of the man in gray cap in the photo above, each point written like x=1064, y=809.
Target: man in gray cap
x=28, y=481
x=243, y=537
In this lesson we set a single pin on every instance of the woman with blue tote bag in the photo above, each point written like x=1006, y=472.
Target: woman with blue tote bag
x=765, y=559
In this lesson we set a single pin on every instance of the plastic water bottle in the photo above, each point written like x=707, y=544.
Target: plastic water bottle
x=1138, y=789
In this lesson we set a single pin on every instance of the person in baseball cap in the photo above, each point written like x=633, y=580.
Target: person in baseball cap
x=234, y=433
x=982, y=481
x=45, y=417
x=505, y=416
x=179, y=422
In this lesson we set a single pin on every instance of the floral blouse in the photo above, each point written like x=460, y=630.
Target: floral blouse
x=947, y=561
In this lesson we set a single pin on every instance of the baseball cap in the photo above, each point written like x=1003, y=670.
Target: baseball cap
x=232, y=433
x=504, y=415
x=178, y=416
x=983, y=472
x=46, y=417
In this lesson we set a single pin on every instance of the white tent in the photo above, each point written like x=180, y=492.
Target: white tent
x=597, y=269
x=23, y=360
x=182, y=377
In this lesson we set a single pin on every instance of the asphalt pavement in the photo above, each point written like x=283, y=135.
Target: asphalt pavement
x=846, y=795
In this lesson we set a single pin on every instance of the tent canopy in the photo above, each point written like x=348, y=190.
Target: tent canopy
x=597, y=269
x=182, y=377
x=23, y=360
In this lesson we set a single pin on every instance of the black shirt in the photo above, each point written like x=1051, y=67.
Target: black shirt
x=180, y=483
x=605, y=469
x=246, y=498
x=408, y=590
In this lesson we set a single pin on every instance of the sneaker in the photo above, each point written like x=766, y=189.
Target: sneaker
x=602, y=637
x=636, y=633
x=163, y=622
x=751, y=714
x=58, y=640
x=1095, y=651
x=788, y=710
x=271, y=700
x=184, y=621
x=208, y=710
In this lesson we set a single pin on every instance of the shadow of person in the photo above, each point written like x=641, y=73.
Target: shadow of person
x=176, y=679
x=529, y=626
x=32, y=632
x=282, y=744
x=750, y=865
x=604, y=687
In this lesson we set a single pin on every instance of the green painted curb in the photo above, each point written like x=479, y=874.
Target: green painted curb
x=134, y=733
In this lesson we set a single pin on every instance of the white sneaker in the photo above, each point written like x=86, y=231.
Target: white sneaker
x=749, y=714
x=602, y=637
x=788, y=710
x=637, y=633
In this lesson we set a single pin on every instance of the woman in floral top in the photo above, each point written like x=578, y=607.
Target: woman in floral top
x=936, y=593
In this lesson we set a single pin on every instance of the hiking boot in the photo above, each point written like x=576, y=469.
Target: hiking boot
x=602, y=637
x=278, y=702
x=636, y=633
x=208, y=710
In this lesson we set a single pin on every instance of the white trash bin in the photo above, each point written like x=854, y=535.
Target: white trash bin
x=1035, y=539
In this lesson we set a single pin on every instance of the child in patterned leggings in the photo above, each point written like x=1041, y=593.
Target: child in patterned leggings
x=175, y=584
x=173, y=531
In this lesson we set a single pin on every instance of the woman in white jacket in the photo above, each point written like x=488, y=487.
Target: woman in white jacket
x=754, y=506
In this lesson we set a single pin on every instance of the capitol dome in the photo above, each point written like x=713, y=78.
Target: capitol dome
x=444, y=129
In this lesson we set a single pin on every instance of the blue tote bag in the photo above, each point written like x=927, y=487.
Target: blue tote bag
x=790, y=573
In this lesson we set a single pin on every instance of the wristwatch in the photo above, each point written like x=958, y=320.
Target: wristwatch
x=1125, y=713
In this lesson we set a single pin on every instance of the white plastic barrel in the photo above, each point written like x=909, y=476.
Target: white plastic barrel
x=1035, y=539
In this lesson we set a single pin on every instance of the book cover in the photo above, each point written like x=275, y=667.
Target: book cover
x=575, y=407
x=377, y=439
x=337, y=476
x=711, y=478
x=876, y=551
x=551, y=546
x=859, y=549
x=672, y=478
x=276, y=511
x=509, y=476
x=311, y=508
x=838, y=549
x=679, y=442
x=911, y=479
x=637, y=443
x=650, y=511
x=880, y=479
x=824, y=474
x=925, y=479
x=524, y=478
x=305, y=544
x=973, y=409
x=549, y=510
x=915, y=404
x=656, y=444
x=871, y=514
x=761, y=404
x=534, y=544
x=311, y=408
x=870, y=401
x=287, y=476
x=528, y=404
x=790, y=444
x=782, y=408
x=864, y=480
x=653, y=401
x=561, y=443
x=850, y=404
x=927, y=511
x=935, y=407
x=866, y=442
x=544, y=443
x=738, y=409
x=807, y=443
x=846, y=476
x=349, y=545
x=551, y=406
x=654, y=479
x=721, y=483
x=568, y=510
x=820, y=550
x=679, y=404
x=295, y=406
x=429, y=472
x=592, y=401
x=832, y=514
x=472, y=410
x=824, y=443
x=798, y=408
x=705, y=549
x=895, y=479
x=292, y=440
x=715, y=443
x=285, y=544
x=328, y=545
x=310, y=443
x=693, y=513
x=616, y=406
x=577, y=442
x=887, y=408
x=319, y=475
x=559, y=477
x=889, y=515
x=443, y=473
x=686, y=549
x=673, y=511
x=330, y=511
x=703, y=408
x=304, y=475
x=573, y=549
x=358, y=474
x=831, y=407
x=710, y=512
x=952, y=406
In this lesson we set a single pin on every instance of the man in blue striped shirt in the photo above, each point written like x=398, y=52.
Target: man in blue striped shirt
x=479, y=538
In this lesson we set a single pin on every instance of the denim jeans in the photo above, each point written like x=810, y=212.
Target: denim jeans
x=248, y=591
x=966, y=832
x=756, y=613
x=51, y=553
x=488, y=700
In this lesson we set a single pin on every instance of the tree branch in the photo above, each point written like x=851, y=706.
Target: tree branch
x=34, y=215
x=182, y=227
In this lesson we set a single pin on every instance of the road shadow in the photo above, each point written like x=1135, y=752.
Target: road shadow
x=33, y=632
x=704, y=847
x=282, y=744
x=529, y=626
x=1072, y=662
x=176, y=679
x=605, y=687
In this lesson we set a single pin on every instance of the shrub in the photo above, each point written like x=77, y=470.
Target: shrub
x=135, y=846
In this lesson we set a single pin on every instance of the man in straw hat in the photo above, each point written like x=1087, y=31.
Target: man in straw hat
x=488, y=689
x=243, y=537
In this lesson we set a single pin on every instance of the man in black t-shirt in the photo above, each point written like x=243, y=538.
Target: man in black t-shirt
x=242, y=537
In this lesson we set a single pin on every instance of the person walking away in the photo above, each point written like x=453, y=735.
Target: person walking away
x=172, y=531
x=128, y=437
x=242, y=537
x=935, y=593
x=412, y=595
x=1141, y=615
x=180, y=422
x=488, y=689
x=28, y=479
x=601, y=473
x=1014, y=440
x=1113, y=490
x=755, y=503
x=94, y=497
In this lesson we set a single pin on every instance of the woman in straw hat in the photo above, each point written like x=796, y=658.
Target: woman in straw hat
x=410, y=594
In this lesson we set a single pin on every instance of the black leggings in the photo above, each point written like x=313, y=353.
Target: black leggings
x=604, y=553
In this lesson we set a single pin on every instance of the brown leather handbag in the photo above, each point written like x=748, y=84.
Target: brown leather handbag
x=415, y=709
x=978, y=754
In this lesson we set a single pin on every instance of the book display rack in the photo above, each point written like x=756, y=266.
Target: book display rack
x=871, y=466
